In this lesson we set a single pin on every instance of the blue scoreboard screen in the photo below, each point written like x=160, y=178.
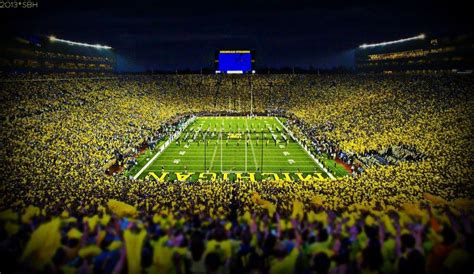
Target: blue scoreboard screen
x=234, y=61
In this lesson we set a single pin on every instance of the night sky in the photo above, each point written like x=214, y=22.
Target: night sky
x=183, y=34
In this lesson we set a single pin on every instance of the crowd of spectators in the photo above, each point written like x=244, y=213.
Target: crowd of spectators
x=408, y=211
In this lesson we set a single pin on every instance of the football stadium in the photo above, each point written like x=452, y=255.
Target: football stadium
x=234, y=145
x=236, y=138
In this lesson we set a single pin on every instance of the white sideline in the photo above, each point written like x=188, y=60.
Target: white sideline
x=305, y=149
x=164, y=146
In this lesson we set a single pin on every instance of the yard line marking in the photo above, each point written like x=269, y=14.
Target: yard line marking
x=251, y=145
x=213, y=156
x=253, y=152
x=245, y=144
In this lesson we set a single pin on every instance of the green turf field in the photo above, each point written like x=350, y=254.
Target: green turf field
x=231, y=145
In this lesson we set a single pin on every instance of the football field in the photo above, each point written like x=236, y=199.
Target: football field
x=234, y=146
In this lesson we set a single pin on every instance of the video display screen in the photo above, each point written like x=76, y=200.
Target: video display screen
x=235, y=61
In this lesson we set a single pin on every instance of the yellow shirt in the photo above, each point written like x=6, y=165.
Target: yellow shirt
x=286, y=265
x=134, y=245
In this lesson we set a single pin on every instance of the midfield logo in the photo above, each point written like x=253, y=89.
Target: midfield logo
x=234, y=135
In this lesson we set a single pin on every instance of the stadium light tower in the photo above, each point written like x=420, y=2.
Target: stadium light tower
x=418, y=37
x=96, y=46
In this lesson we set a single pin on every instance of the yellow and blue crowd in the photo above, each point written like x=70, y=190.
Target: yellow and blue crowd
x=61, y=212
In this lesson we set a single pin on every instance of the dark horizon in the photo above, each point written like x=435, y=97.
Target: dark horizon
x=168, y=36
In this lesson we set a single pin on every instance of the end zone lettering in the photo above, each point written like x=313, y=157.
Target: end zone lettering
x=238, y=176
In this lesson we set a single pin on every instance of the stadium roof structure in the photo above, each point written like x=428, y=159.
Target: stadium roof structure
x=97, y=46
x=418, y=37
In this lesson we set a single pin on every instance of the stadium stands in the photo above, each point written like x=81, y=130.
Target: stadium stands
x=407, y=209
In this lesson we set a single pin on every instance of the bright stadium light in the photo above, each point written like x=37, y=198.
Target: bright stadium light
x=96, y=46
x=235, y=72
x=418, y=37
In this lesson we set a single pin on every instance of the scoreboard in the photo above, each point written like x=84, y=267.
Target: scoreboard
x=234, y=61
